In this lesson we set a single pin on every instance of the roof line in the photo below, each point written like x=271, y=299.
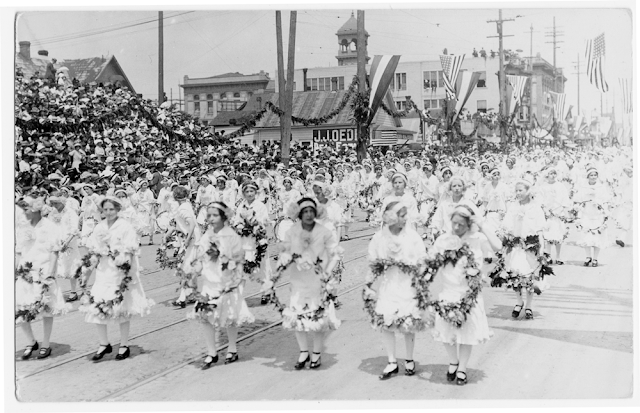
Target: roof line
x=113, y=58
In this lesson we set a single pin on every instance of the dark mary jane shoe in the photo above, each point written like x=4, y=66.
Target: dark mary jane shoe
x=100, y=354
x=300, y=364
x=385, y=376
x=44, y=352
x=122, y=356
x=461, y=381
x=452, y=376
x=231, y=357
x=28, y=350
x=409, y=371
x=206, y=364
x=317, y=363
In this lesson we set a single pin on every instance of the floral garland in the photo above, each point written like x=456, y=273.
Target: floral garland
x=179, y=252
x=455, y=313
x=28, y=313
x=458, y=129
x=104, y=307
x=329, y=283
x=601, y=227
x=501, y=277
x=206, y=305
x=370, y=296
x=249, y=227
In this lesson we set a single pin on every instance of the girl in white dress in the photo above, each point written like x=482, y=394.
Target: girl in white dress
x=396, y=309
x=38, y=296
x=145, y=209
x=402, y=194
x=205, y=195
x=307, y=313
x=255, y=212
x=453, y=194
x=555, y=201
x=495, y=198
x=287, y=195
x=220, y=246
x=345, y=197
x=117, y=294
x=467, y=228
x=188, y=234
x=526, y=222
x=331, y=218
x=592, y=200
x=89, y=211
x=68, y=223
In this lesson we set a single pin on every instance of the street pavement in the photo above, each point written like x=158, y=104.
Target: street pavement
x=579, y=346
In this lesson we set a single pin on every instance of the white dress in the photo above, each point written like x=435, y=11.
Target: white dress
x=407, y=199
x=306, y=286
x=591, y=217
x=260, y=213
x=555, y=198
x=67, y=222
x=121, y=237
x=475, y=330
x=396, y=308
x=232, y=309
x=35, y=245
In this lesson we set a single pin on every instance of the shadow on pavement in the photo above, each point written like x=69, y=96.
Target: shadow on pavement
x=437, y=373
x=608, y=340
x=57, y=350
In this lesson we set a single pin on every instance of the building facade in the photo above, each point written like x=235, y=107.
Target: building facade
x=205, y=98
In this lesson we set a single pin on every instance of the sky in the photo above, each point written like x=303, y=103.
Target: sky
x=202, y=43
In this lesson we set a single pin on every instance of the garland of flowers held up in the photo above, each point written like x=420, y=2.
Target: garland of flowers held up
x=501, y=277
x=104, y=307
x=251, y=228
x=28, y=313
x=455, y=313
x=601, y=227
x=178, y=254
x=370, y=296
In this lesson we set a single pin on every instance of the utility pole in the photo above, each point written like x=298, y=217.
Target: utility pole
x=361, y=49
x=531, y=77
x=285, y=89
x=502, y=79
x=578, y=73
x=160, y=61
x=555, y=34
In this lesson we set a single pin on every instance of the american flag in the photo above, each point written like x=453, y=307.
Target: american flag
x=518, y=83
x=451, y=67
x=627, y=95
x=558, y=104
x=595, y=62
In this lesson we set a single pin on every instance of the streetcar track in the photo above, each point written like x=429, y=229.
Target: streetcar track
x=182, y=364
x=165, y=326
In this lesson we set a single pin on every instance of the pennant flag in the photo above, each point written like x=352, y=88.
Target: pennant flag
x=465, y=85
x=382, y=70
x=627, y=95
x=595, y=63
x=451, y=67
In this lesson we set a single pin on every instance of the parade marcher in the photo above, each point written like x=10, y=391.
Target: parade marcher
x=331, y=218
x=206, y=194
x=396, y=308
x=345, y=197
x=495, y=198
x=525, y=223
x=253, y=212
x=37, y=293
x=146, y=208
x=455, y=193
x=89, y=211
x=555, y=204
x=117, y=294
x=310, y=253
x=470, y=230
x=68, y=223
x=286, y=195
x=220, y=303
x=402, y=194
x=188, y=234
x=592, y=200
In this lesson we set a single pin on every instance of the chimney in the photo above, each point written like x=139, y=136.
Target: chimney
x=304, y=79
x=25, y=49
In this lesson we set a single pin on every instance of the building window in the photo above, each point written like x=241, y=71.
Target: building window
x=314, y=84
x=432, y=80
x=399, y=82
x=482, y=80
x=196, y=103
x=341, y=83
x=210, y=104
x=344, y=46
x=482, y=106
x=229, y=106
x=223, y=95
x=236, y=95
x=432, y=104
x=401, y=104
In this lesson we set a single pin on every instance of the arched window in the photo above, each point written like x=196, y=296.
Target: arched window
x=223, y=95
x=210, y=104
x=344, y=46
x=236, y=95
x=353, y=46
x=196, y=103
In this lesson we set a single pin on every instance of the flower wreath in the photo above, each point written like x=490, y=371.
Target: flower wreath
x=104, y=307
x=501, y=277
x=179, y=252
x=246, y=228
x=548, y=213
x=427, y=223
x=329, y=284
x=455, y=313
x=370, y=296
x=601, y=227
x=205, y=304
x=28, y=313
